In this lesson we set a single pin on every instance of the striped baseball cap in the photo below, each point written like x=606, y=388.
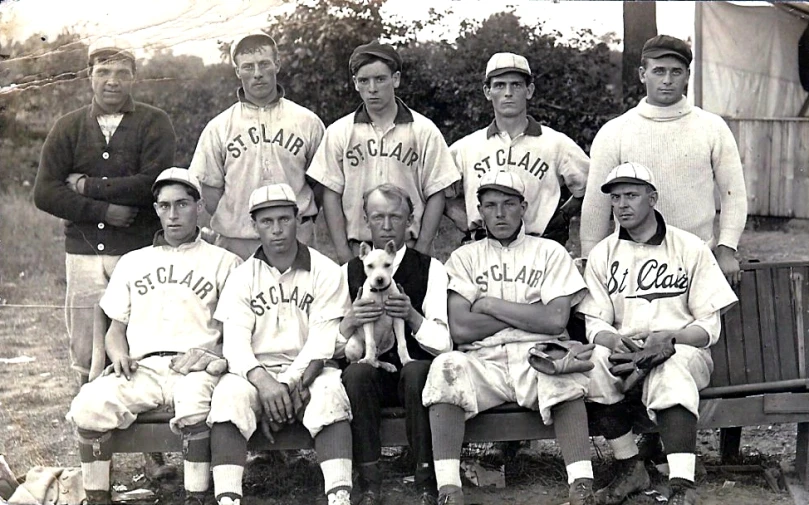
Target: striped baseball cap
x=503, y=181
x=177, y=174
x=502, y=63
x=272, y=195
x=631, y=173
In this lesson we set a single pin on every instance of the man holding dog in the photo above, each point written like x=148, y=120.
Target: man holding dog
x=509, y=299
x=281, y=312
x=654, y=298
x=422, y=304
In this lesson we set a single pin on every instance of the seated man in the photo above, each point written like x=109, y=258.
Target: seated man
x=651, y=285
x=161, y=300
x=507, y=293
x=281, y=312
x=388, y=211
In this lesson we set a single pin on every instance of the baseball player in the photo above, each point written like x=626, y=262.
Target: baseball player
x=382, y=141
x=543, y=158
x=508, y=294
x=691, y=153
x=650, y=285
x=388, y=212
x=262, y=139
x=161, y=301
x=281, y=312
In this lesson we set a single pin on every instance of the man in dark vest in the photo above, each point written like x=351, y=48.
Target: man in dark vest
x=388, y=212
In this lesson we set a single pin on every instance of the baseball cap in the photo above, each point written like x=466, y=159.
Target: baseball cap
x=109, y=47
x=666, y=45
x=177, y=174
x=237, y=42
x=272, y=195
x=503, y=181
x=374, y=48
x=632, y=173
x=502, y=63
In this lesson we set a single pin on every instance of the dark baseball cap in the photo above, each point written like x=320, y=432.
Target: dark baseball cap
x=666, y=45
x=385, y=52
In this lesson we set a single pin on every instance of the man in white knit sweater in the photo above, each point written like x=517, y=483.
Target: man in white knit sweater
x=689, y=151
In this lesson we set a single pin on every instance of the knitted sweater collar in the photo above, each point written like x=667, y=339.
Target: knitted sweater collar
x=670, y=113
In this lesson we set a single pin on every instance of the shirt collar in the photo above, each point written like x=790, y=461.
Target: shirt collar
x=656, y=239
x=534, y=129
x=517, y=241
x=302, y=261
x=159, y=239
x=403, y=114
x=96, y=110
x=243, y=99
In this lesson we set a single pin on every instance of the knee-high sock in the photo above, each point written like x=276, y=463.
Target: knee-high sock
x=447, y=425
x=228, y=456
x=197, y=464
x=570, y=425
x=678, y=429
x=95, y=455
x=333, y=447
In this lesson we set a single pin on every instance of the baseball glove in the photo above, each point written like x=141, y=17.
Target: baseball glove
x=556, y=357
x=198, y=359
x=636, y=364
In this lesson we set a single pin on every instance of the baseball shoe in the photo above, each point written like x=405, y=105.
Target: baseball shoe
x=450, y=495
x=97, y=498
x=581, y=492
x=340, y=497
x=369, y=497
x=156, y=468
x=194, y=498
x=683, y=496
x=630, y=477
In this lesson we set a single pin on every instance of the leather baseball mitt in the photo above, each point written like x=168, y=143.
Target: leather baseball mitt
x=198, y=359
x=636, y=364
x=556, y=357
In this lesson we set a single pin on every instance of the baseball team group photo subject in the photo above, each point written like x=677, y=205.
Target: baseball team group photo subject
x=357, y=252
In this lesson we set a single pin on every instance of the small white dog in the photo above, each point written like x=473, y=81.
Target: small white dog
x=378, y=336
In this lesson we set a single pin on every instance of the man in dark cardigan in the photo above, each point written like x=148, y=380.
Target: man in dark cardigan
x=388, y=211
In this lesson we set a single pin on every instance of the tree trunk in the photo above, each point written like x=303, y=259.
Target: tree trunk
x=640, y=25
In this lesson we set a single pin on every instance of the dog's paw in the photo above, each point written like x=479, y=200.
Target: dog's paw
x=370, y=361
x=387, y=367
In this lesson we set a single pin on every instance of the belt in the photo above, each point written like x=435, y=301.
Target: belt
x=306, y=219
x=160, y=353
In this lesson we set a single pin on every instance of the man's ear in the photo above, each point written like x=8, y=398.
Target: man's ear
x=642, y=74
x=397, y=78
x=531, y=88
x=487, y=92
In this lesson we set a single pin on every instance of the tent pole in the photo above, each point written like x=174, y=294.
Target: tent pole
x=698, y=54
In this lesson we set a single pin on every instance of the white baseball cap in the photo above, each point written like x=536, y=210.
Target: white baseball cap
x=178, y=174
x=632, y=173
x=272, y=195
x=238, y=41
x=110, y=47
x=503, y=181
x=502, y=63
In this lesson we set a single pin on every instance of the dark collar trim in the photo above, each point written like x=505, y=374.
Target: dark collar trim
x=159, y=239
x=302, y=261
x=243, y=99
x=96, y=110
x=656, y=239
x=380, y=290
x=534, y=128
x=403, y=114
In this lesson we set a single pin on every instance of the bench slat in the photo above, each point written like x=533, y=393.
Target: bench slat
x=765, y=294
x=785, y=324
x=750, y=326
x=733, y=336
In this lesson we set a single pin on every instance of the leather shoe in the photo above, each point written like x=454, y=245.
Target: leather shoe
x=630, y=477
x=581, y=492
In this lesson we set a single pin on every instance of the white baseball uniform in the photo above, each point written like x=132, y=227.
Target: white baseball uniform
x=246, y=147
x=355, y=156
x=669, y=283
x=495, y=370
x=281, y=321
x=542, y=157
x=166, y=296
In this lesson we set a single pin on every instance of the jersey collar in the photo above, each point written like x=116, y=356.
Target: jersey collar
x=159, y=240
x=656, y=239
x=243, y=99
x=517, y=241
x=96, y=110
x=403, y=114
x=534, y=129
x=302, y=261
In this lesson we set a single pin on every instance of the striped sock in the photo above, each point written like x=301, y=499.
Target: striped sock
x=447, y=425
x=333, y=448
x=570, y=425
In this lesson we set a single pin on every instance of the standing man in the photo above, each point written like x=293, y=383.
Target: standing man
x=543, y=158
x=650, y=285
x=422, y=304
x=509, y=295
x=262, y=139
x=161, y=300
x=691, y=153
x=96, y=172
x=281, y=312
x=382, y=141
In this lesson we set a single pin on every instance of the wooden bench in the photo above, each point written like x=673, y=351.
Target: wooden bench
x=759, y=378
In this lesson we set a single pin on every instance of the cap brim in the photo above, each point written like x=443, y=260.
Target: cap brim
x=605, y=188
x=379, y=54
x=497, y=187
x=506, y=70
x=176, y=181
x=660, y=53
x=274, y=203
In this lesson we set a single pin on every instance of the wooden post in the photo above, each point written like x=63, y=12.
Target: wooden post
x=802, y=454
x=698, y=61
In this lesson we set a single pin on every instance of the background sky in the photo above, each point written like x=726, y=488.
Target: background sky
x=194, y=26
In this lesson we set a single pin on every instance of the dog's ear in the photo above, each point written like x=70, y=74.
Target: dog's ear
x=390, y=247
x=364, y=250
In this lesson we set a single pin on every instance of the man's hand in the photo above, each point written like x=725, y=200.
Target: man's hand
x=274, y=398
x=125, y=365
x=344, y=254
x=300, y=399
x=76, y=182
x=726, y=257
x=399, y=305
x=120, y=215
x=362, y=311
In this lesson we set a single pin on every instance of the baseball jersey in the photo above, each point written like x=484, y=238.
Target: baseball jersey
x=542, y=157
x=282, y=319
x=355, y=156
x=528, y=270
x=167, y=295
x=668, y=283
x=246, y=147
